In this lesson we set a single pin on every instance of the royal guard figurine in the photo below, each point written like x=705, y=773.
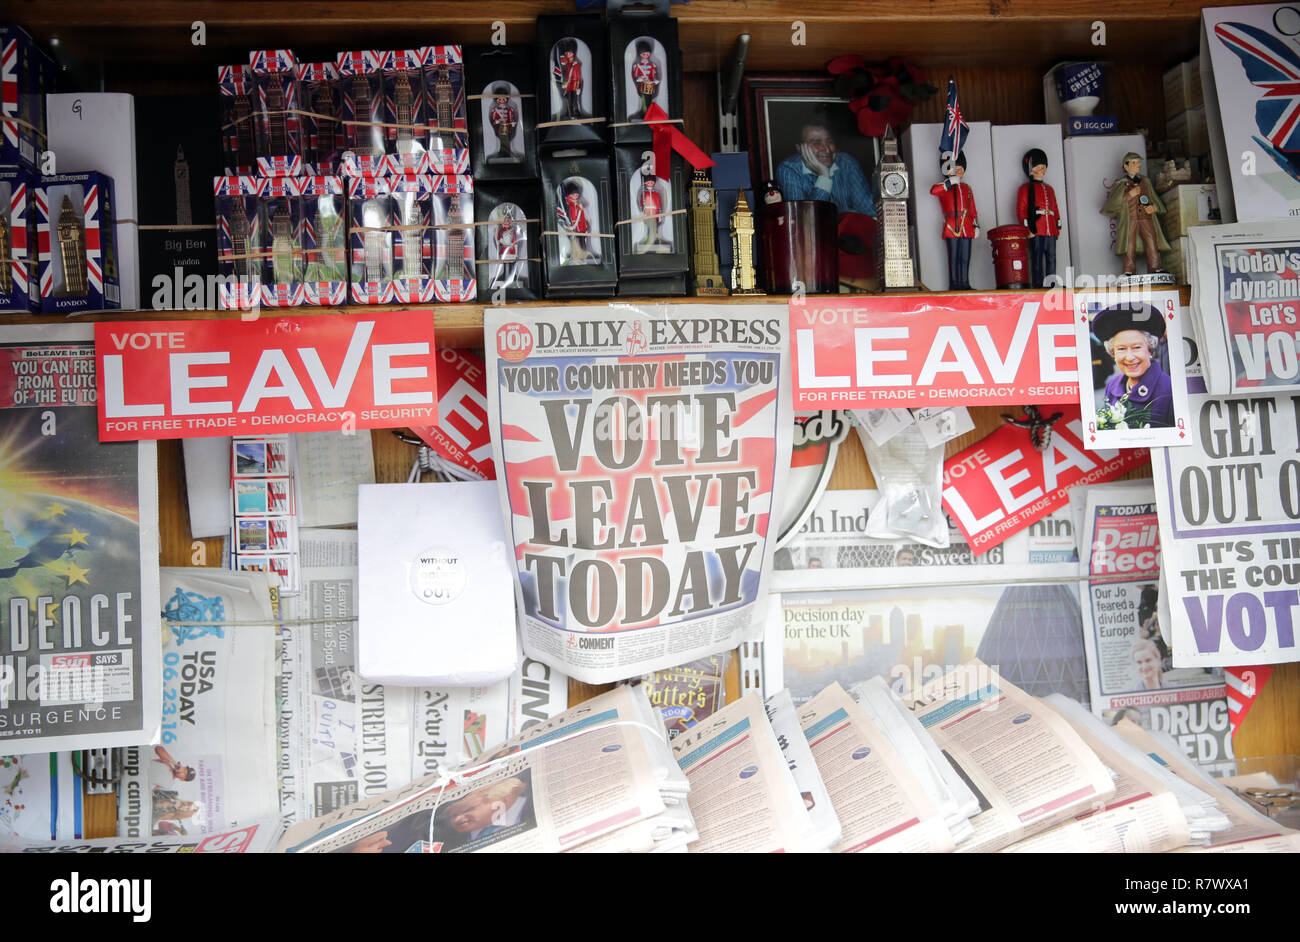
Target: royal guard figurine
x=568, y=78
x=574, y=221
x=507, y=239
x=1036, y=207
x=645, y=75
x=650, y=203
x=960, y=223
x=1133, y=204
x=504, y=119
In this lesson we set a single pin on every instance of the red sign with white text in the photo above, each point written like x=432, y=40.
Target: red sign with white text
x=462, y=433
x=1001, y=484
x=931, y=350
x=196, y=379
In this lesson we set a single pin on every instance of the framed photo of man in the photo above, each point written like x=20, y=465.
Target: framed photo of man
x=803, y=136
x=1132, y=385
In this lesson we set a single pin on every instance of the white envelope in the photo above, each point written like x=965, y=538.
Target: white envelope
x=437, y=601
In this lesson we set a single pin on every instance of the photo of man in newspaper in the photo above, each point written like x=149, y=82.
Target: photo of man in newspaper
x=486, y=815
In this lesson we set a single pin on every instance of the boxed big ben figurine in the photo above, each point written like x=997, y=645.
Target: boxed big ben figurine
x=278, y=122
x=444, y=82
x=362, y=78
x=237, y=90
x=28, y=76
x=325, y=269
x=77, y=255
x=239, y=242
x=452, y=205
x=652, y=241
x=282, y=269
x=405, y=115
x=370, y=238
x=19, y=291
x=321, y=97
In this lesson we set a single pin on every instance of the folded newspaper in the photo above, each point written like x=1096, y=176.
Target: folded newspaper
x=823, y=829
x=601, y=768
x=1143, y=817
x=881, y=806
x=746, y=800
x=1027, y=765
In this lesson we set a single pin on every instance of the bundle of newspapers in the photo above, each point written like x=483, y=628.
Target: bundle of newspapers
x=599, y=776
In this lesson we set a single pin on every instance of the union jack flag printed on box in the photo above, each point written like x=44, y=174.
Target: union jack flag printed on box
x=74, y=243
x=320, y=96
x=362, y=77
x=370, y=263
x=405, y=137
x=237, y=86
x=413, y=241
x=279, y=126
x=282, y=264
x=444, y=82
x=17, y=235
x=324, y=245
x=453, y=255
x=26, y=76
x=239, y=242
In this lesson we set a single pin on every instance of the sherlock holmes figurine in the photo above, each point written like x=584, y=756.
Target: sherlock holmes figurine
x=960, y=223
x=1134, y=205
x=1036, y=207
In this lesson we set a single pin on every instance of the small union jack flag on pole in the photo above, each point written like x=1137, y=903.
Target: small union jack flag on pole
x=955, y=131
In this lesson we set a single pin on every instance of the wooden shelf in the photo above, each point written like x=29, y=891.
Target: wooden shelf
x=938, y=32
x=455, y=325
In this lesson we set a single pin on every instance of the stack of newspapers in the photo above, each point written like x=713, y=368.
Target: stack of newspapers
x=599, y=776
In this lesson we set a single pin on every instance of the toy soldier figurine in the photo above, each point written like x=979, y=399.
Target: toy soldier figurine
x=651, y=205
x=645, y=75
x=574, y=221
x=1132, y=203
x=1036, y=207
x=960, y=223
x=503, y=118
x=507, y=241
x=568, y=77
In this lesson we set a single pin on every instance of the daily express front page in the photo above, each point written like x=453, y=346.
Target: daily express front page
x=639, y=451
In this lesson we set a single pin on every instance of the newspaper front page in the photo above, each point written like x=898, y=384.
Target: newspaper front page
x=1229, y=508
x=1143, y=817
x=79, y=643
x=882, y=808
x=214, y=768
x=638, y=453
x=256, y=837
x=340, y=738
x=1030, y=770
x=1130, y=661
x=577, y=778
x=742, y=795
x=1246, y=299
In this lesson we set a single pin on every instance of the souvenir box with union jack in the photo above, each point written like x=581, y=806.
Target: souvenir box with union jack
x=237, y=89
x=413, y=238
x=26, y=76
x=76, y=254
x=282, y=258
x=453, y=246
x=371, y=232
x=17, y=237
x=320, y=96
x=324, y=240
x=444, y=82
x=279, y=124
x=239, y=242
x=406, y=112
x=362, y=78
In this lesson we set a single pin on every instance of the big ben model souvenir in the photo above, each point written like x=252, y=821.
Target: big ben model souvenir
x=282, y=267
x=578, y=242
x=278, y=120
x=77, y=267
x=406, y=112
x=372, y=227
x=448, y=140
x=237, y=86
x=704, y=254
x=502, y=108
x=645, y=66
x=454, y=277
x=325, y=274
x=573, y=85
x=894, y=267
x=651, y=225
x=239, y=241
x=361, y=74
x=19, y=291
x=743, y=277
